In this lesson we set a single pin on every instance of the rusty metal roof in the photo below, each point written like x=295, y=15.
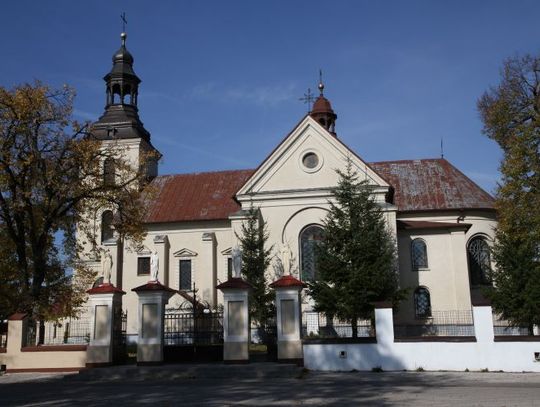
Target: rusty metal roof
x=194, y=197
x=431, y=184
x=420, y=185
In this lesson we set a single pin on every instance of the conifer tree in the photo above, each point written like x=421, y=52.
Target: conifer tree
x=255, y=262
x=511, y=116
x=356, y=262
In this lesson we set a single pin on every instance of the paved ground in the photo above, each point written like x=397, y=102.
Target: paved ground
x=311, y=388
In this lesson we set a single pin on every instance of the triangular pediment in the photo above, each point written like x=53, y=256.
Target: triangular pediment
x=184, y=253
x=306, y=160
x=144, y=251
x=227, y=251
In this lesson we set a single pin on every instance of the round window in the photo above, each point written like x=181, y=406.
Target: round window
x=310, y=160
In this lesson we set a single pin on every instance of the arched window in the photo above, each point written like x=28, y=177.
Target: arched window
x=116, y=91
x=107, y=232
x=310, y=237
x=479, y=258
x=422, y=303
x=109, y=171
x=419, y=258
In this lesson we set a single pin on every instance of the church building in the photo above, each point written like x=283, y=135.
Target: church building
x=442, y=221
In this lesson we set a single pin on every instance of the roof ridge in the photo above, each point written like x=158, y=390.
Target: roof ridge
x=205, y=172
x=409, y=160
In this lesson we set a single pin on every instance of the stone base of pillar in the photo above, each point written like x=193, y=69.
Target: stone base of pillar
x=104, y=300
x=235, y=320
x=235, y=352
x=290, y=351
x=149, y=354
x=288, y=318
x=153, y=297
x=98, y=356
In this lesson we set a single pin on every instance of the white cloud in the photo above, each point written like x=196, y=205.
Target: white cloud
x=259, y=95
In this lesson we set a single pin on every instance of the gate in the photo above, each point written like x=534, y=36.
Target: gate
x=193, y=336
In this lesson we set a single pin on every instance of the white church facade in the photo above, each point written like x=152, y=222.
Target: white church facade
x=442, y=221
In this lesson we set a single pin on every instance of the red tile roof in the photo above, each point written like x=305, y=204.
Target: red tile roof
x=198, y=196
x=287, y=281
x=420, y=185
x=432, y=184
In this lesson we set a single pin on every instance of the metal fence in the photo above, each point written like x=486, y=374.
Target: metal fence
x=187, y=328
x=318, y=325
x=503, y=327
x=3, y=333
x=441, y=323
x=266, y=334
x=65, y=331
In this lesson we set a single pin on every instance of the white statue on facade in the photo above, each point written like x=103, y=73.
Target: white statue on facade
x=107, y=265
x=236, y=255
x=154, y=266
x=286, y=260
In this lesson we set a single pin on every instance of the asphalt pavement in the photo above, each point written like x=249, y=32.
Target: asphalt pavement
x=301, y=388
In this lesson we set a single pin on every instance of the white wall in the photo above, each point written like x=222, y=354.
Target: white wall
x=390, y=355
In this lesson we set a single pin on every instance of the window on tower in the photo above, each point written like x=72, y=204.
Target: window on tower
x=107, y=231
x=109, y=171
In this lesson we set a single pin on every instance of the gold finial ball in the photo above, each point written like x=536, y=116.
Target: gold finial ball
x=321, y=86
x=123, y=36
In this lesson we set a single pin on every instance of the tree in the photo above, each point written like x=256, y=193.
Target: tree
x=51, y=178
x=356, y=263
x=511, y=116
x=255, y=262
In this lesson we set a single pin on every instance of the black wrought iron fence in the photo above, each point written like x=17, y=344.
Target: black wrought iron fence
x=64, y=331
x=187, y=328
x=440, y=323
x=318, y=325
x=502, y=327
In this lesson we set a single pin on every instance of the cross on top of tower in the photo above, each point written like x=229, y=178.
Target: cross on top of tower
x=308, y=98
x=124, y=21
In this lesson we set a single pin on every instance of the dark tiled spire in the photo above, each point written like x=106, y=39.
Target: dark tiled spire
x=121, y=118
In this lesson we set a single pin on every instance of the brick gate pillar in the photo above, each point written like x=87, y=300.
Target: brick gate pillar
x=288, y=319
x=236, y=324
x=153, y=296
x=105, y=302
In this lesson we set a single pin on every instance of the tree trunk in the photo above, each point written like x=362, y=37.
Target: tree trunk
x=41, y=332
x=354, y=326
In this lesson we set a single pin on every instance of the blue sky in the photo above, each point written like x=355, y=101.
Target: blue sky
x=221, y=79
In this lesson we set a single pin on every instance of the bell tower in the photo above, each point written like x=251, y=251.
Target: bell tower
x=322, y=110
x=120, y=123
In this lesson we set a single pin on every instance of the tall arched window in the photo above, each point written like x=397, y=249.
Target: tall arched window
x=479, y=258
x=107, y=232
x=419, y=257
x=310, y=237
x=422, y=303
x=108, y=171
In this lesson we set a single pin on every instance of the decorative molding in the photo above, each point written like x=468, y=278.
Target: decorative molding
x=185, y=252
x=208, y=236
x=161, y=239
x=227, y=251
x=145, y=251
